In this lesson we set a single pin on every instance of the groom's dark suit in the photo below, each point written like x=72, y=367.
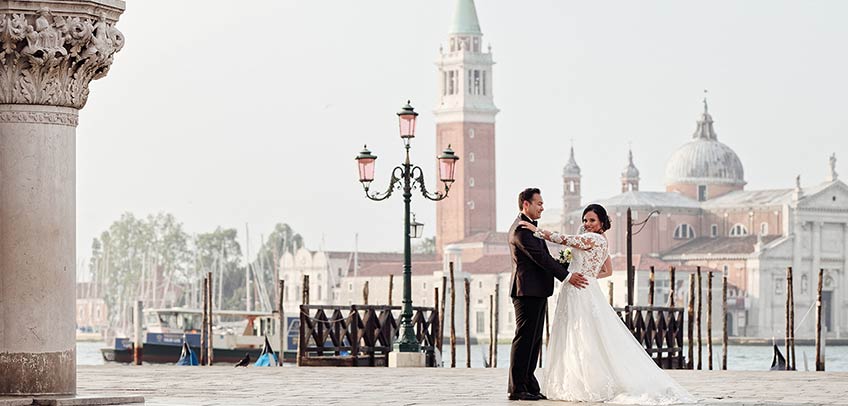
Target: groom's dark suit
x=533, y=273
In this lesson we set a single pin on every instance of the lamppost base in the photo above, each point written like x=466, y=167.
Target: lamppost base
x=407, y=359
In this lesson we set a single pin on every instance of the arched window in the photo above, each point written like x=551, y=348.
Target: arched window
x=471, y=133
x=713, y=230
x=738, y=230
x=470, y=182
x=471, y=157
x=571, y=186
x=763, y=228
x=684, y=232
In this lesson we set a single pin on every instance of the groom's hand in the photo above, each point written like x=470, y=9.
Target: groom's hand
x=579, y=281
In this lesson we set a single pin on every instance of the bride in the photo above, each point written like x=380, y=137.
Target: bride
x=593, y=356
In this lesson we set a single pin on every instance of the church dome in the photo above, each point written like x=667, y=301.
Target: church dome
x=704, y=160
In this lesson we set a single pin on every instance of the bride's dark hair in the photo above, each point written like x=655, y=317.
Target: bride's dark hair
x=599, y=210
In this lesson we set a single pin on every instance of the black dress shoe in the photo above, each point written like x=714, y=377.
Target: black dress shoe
x=523, y=396
x=541, y=396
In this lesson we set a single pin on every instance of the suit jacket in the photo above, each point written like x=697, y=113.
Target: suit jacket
x=533, y=267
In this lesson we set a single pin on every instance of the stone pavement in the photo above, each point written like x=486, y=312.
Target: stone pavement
x=225, y=385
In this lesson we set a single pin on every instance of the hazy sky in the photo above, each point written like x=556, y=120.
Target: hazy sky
x=226, y=113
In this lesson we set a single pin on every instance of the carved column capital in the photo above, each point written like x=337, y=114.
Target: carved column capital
x=51, y=50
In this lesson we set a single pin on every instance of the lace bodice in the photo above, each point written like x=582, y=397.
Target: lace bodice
x=590, y=253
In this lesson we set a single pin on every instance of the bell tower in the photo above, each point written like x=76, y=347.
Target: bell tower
x=465, y=119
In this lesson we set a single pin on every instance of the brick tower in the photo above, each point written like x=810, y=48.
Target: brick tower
x=465, y=119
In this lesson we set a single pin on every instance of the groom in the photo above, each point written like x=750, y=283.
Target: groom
x=532, y=283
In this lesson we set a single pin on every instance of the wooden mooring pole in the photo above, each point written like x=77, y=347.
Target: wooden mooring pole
x=497, y=317
x=392, y=288
x=138, y=340
x=453, y=318
x=467, y=323
x=365, y=293
x=203, y=323
x=305, y=289
x=651, y=283
x=281, y=329
x=672, y=286
x=710, y=321
x=610, y=292
x=724, y=321
x=792, y=321
x=210, y=357
x=819, y=358
x=690, y=313
x=786, y=335
x=698, y=318
x=491, y=328
x=442, y=313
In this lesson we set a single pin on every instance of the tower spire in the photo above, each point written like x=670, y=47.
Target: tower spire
x=705, y=128
x=465, y=19
x=630, y=175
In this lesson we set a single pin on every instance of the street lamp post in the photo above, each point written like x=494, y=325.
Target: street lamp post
x=407, y=177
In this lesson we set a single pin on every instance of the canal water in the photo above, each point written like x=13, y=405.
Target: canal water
x=739, y=357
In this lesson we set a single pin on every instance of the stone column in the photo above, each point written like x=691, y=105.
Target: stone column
x=50, y=52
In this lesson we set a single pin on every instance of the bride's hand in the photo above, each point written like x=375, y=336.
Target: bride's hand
x=527, y=225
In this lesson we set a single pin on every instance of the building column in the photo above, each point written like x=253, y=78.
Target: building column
x=51, y=55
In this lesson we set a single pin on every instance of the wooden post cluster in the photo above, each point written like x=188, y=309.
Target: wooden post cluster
x=442, y=313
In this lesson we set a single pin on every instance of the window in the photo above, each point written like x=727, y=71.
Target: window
x=451, y=81
x=571, y=186
x=471, y=157
x=476, y=44
x=484, y=83
x=350, y=287
x=470, y=133
x=477, y=83
x=714, y=230
x=702, y=193
x=763, y=228
x=471, y=204
x=480, y=284
x=684, y=232
x=340, y=271
x=470, y=84
x=726, y=268
x=778, y=286
x=424, y=285
x=481, y=323
x=738, y=230
x=805, y=284
x=470, y=182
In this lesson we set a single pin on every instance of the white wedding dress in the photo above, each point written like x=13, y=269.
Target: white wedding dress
x=593, y=357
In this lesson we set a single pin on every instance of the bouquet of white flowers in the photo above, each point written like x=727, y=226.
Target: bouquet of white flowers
x=565, y=256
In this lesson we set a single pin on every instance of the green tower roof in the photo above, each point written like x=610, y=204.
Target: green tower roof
x=465, y=18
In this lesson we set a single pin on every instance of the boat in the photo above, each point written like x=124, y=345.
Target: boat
x=778, y=362
x=237, y=333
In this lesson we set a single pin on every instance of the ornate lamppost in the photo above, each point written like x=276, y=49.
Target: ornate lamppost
x=407, y=177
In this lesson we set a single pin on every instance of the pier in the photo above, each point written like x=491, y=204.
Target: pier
x=224, y=385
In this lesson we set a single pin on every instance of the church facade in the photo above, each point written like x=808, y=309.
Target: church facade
x=706, y=217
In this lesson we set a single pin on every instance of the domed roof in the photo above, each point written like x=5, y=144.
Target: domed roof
x=704, y=160
x=630, y=171
x=571, y=168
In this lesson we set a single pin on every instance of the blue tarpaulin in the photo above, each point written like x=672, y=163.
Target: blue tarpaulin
x=187, y=356
x=267, y=358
